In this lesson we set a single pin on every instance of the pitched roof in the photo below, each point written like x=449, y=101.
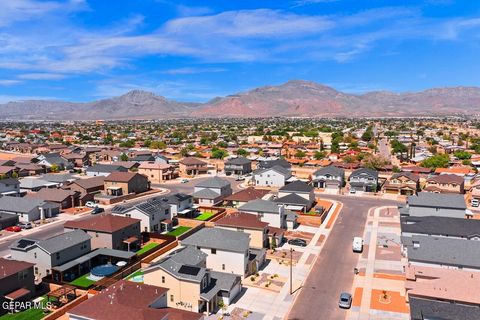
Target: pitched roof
x=148, y=207
x=409, y=175
x=272, y=163
x=446, y=178
x=247, y=194
x=154, y=165
x=445, y=251
x=435, y=309
x=90, y=182
x=242, y=220
x=297, y=186
x=9, y=267
x=54, y=195
x=279, y=169
x=434, y=225
x=106, y=168
x=293, y=199
x=220, y=239
x=238, y=161
x=206, y=194
x=331, y=170
x=121, y=176
x=16, y=204
x=129, y=301
x=9, y=181
x=192, y=161
x=54, y=244
x=102, y=223
x=430, y=199
x=260, y=205
x=370, y=172
x=214, y=182
x=58, y=177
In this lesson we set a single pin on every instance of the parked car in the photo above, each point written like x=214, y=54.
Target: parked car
x=184, y=181
x=353, y=191
x=357, y=244
x=25, y=225
x=97, y=210
x=345, y=300
x=297, y=242
x=240, y=178
x=90, y=204
x=13, y=229
x=475, y=203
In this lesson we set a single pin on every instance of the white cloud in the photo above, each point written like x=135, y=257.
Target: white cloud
x=9, y=82
x=41, y=76
x=191, y=70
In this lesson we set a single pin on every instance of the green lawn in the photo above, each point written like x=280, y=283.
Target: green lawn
x=178, y=231
x=83, y=282
x=30, y=314
x=148, y=247
x=205, y=216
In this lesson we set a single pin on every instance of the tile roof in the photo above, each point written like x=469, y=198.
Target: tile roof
x=192, y=161
x=90, y=182
x=121, y=176
x=154, y=165
x=293, y=199
x=102, y=223
x=54, y=195
x=446, y=178
x=220, y=239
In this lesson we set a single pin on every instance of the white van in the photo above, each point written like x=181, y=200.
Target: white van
x=357, y=245
x=475, y=203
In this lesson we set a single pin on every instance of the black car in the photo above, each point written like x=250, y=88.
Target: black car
x=98, y=210
x=297, y=242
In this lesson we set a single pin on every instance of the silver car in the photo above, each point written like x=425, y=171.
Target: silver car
x=345, y=300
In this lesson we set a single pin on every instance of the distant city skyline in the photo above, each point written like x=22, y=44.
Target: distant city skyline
x=83, y=50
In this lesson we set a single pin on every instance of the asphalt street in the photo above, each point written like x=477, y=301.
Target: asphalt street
x=333, y=269
x=383, y=148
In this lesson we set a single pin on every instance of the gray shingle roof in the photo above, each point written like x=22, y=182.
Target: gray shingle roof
x=441, y=226
x=260, y=205
x=434, y=309
x=32, y=183
x=297, y=186
x=215, y=182
x=238, y=161
x=279, y=169
x=370, y=172
x=220, y=239
x=22, y=205
x=446, y=251
x=149, y=207
x=331, y=170
x=293, y=199
x=106, y=168
x=219, y=281
x=59, y=242
x=206, y=194
x=437, y=200
x=272, y=163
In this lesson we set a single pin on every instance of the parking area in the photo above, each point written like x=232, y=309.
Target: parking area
x=378, y=288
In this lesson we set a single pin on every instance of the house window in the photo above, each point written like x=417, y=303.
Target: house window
x=36, y=270
x=58, y=255
x=213, y=251
x=163, y=279
x=223, y=266
x=96, y=234
x=171, y=298
x=35, y=255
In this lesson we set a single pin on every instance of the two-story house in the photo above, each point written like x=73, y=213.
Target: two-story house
x=226, y=250
x=248, y=223
x=181, y=204
x=268, y=211
x=403, y=183
x=330, y=178
x=191, y=284
x=17, y=282
x=297, y=196
x=123, y=183
x=241, y=197
x=157, y=172
x=445, y=183
x=238, y=166
x=274, y=177
x=434, y=204
x=51, y=252
x=364, y=180
x=155, y=214
x=211, y=191
x=9, y=187
x=190, y=166
x=104, y=169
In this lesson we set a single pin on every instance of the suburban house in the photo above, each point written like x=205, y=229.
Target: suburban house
x=7, y=220
x=64, y=198
x=268, y=211
x=211, y=191
x=191, y=285
x=443, y=252
x=87, y=188
x=128, y=300
x=468, y=229
x=54, y=251
x=275, y=176
x=442, y=293
x=17, y=282
x=364, y=180
x=181, y=204
x=297, y=196
x=238, y=166
x=109, y=231
x=7, y=171
x=191, y=166
x=154, y=214
x=78, y=159
x=445, y=183
x=50, y=160
x=33, y=184
x=28, y=169
x=123, y=183
x=330, y=178
x=434, y=204
x=267, y=164
x=226, y=250
x=28, y=209
x=60, y=178
x=403, y=183
x=9, y=187
x=157, y=172
x=248, y=223
x=241, y=197
x=104, y=169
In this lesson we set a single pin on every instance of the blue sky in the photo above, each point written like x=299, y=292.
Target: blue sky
x=81, y=50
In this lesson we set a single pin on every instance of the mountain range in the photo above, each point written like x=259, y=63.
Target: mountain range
x=293, y=98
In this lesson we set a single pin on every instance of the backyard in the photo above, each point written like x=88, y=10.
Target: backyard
x=29, y=314
x=205, y=216
x=83, y=282
x=147, y=248
x=178, y=231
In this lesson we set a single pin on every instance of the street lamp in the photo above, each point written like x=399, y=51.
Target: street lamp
x=291, y=267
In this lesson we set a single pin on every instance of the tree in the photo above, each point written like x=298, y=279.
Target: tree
x=219, y=153
x=54, y=168
x=462, y=155
x=15, y=174
x=300, y=154
x=374, y=162
x=124, y=157
x=397, y=146
x=319, y=155
x=437, y=161
x=242, y=152
x=368, y=134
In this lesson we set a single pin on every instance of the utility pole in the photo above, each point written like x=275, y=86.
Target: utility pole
x=291, y=266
